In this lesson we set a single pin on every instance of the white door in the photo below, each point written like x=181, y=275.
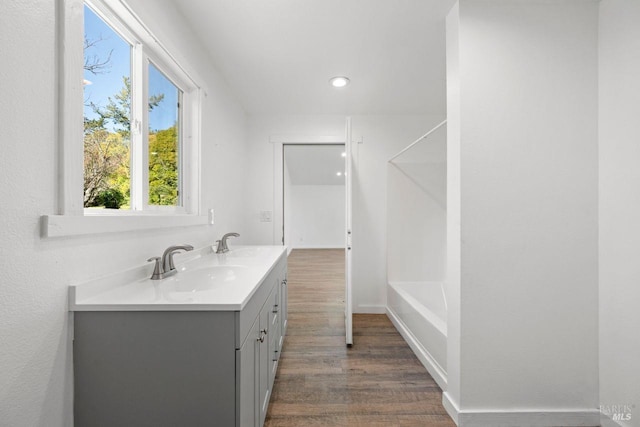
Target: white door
x=348, y=310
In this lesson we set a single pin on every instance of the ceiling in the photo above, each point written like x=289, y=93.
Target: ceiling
x=278, y=55
x=315, y=164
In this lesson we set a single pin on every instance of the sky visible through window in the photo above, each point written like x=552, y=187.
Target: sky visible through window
x=108, y=95
x=108, y=81
x=165, y=114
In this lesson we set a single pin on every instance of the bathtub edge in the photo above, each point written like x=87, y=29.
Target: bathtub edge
x=434, y=369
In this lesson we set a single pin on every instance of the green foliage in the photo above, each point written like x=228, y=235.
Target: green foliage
x=118, y=109
x=154, y=100
x=111, y=198
x=106, y=155
x=107, y=171
x=163, y=167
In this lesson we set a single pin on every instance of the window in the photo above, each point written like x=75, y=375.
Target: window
x=107, y=115
x=135, y=164
x=132, y=156
x=164, y=140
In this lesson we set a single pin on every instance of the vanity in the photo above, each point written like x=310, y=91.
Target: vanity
x=200, y=348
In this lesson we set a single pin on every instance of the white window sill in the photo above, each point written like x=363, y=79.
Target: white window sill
x=78, y=225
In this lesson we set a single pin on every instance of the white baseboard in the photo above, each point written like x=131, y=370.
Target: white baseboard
x=606, y=421
x=501, y=418
x=434, y=369
x=451, y=407
x=369, y=309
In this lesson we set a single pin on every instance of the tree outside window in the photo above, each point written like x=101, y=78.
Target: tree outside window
x=108, y=145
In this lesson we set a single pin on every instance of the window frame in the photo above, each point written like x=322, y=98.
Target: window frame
x=71, y=217
x=183, y=149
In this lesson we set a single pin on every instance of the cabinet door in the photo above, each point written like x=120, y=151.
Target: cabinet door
x=283, y=307
x=247, y=379
x=264, y=358
x=275, y=327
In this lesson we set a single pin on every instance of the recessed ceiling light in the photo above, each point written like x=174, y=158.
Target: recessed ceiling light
x=339, y=81
x=344, y=154
x=339, y=174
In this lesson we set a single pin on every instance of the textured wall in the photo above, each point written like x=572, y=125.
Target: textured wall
x=35, y=347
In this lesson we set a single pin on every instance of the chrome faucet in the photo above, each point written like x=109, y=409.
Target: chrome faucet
x=222, y=243
x=164, y=266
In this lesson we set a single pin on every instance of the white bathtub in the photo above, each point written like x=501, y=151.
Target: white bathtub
x=419, y=312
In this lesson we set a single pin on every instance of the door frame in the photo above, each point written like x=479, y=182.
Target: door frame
x=279, y=143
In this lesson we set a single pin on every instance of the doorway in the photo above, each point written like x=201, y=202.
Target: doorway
x=314, y=196
x=342, y=170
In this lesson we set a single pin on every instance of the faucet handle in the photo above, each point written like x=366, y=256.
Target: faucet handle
x=157, y=268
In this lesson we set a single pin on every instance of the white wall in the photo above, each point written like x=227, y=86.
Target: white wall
x=416, y=212
x=259, y=173
x=619, y=131
x=316, y=216
x=453, y=238
x=35, y=350
x=527, y=121
x=383, y=136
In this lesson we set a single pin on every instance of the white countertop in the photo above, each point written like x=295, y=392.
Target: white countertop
x=205, y=282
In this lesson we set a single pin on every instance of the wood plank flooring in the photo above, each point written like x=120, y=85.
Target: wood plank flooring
x=321, y=382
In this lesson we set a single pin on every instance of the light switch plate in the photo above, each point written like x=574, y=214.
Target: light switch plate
x=265, y=216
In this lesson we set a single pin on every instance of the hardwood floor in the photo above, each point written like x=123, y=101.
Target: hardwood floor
x=321, y=382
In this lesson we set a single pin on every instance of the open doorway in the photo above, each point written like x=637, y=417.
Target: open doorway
x=337, y=172
x=314, y=196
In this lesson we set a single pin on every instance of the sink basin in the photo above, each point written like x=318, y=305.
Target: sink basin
x=245, y=252
x=204, y=278
x=253, y=254
x=205, y=281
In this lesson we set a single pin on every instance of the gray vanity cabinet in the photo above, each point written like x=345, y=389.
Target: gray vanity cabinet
x=283, y=307
x=270, y=347
x=274, y=340
x=169, y=368
x=265, y=332
x=247, y=387
x=255, y=360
